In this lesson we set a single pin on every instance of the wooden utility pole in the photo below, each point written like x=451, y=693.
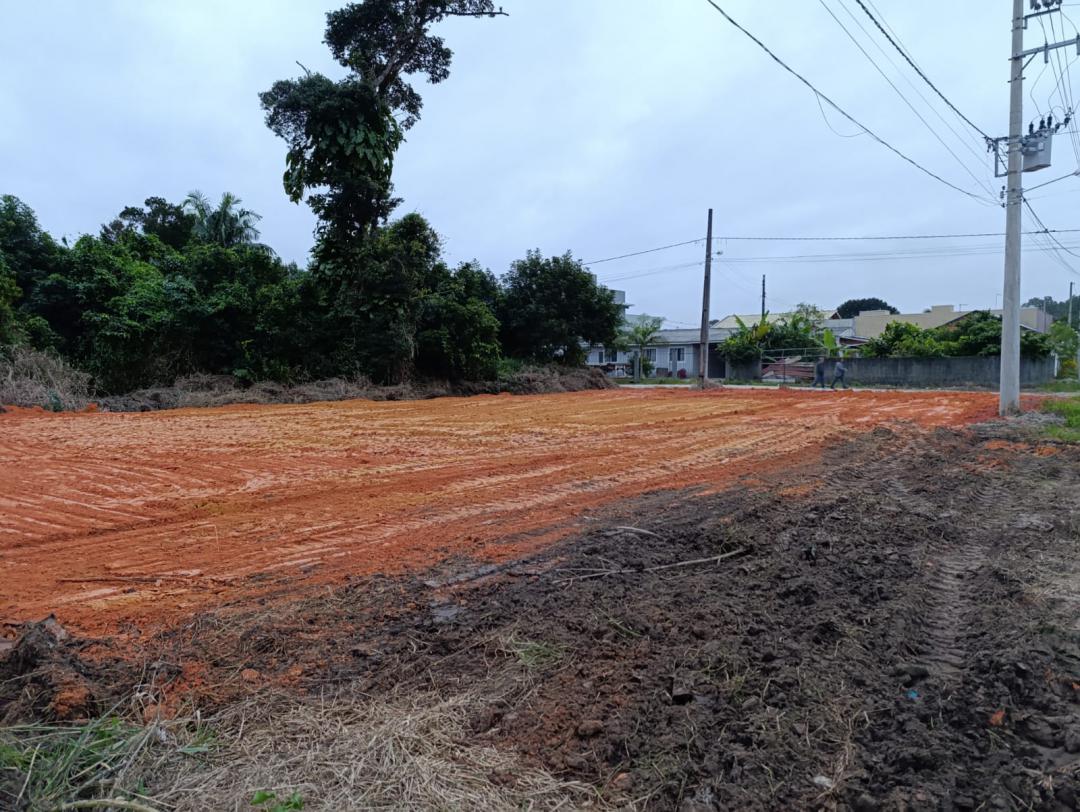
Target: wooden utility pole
x=703, y=362
x=1010, y=299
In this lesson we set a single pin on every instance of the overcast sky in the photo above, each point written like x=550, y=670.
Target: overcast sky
x=597, y=126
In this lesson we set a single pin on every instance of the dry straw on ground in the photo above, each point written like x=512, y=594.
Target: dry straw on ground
x=356, y=753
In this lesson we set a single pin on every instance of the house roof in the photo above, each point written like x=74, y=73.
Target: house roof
x=690, y=336
x=731, y=322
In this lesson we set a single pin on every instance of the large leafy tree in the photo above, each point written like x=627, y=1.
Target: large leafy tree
x=169, y=222
x=341, y=142
x=342, y=135
x=383, y=41
x=29, y=253
x=9, y=292
x=457, y=333
x=551, y=306
x=853, y=307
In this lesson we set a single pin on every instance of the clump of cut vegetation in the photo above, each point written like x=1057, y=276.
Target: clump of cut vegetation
x=68, y=766
x=533, y=654
x=31, y=377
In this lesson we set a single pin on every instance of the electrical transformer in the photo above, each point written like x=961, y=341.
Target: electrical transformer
x=1035, y=147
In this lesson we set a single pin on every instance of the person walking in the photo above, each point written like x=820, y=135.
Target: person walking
x=838, y=375
x=819, y=372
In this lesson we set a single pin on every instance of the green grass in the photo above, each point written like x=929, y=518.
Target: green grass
x=54, y=764
x=534, y=654
x=1061, y=386
x=1068, y=408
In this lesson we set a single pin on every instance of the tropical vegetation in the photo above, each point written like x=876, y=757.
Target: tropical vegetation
x=170, y=288
x=978, y=333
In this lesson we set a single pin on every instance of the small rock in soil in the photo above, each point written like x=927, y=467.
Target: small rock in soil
x=913, y=671
x=623, y=782
x=1072, y=740
x=864, y=803
x=1039, y=731
x=590, y=727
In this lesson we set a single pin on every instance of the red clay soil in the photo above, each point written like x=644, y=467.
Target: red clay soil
x=108, y=520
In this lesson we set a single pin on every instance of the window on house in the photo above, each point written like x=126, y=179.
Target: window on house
x=650, y=354
x=612, y=356
x=676, y=355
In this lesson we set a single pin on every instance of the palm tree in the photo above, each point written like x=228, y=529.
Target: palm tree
x=227, y=225
x=641, y=333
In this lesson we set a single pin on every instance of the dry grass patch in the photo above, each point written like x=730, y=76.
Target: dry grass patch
x=340, y=753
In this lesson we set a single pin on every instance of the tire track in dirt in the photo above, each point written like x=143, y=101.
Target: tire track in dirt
x=148, y=517
x=948, y=598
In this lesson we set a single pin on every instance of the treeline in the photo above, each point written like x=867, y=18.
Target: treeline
x=168, y=289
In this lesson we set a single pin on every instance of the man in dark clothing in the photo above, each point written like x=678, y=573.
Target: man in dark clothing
x=838, y=375
x=819, y=372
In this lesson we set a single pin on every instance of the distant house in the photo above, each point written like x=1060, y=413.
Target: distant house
x=872, y=323
x=732, y=322
x=675, y=354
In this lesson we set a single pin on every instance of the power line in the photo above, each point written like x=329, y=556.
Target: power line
x=918, y=70
x=1046, y=238
x=636, y=274
x=646, y=251
x=844, y=113
x=979, y=156
x=905, y=99
x=1055, y=180
x=883, y=256
x=1049, y=234
x=887, y=237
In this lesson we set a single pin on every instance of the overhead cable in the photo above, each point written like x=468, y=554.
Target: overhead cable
x=844, y=113
x=905, y=99
x=883, y=237
x=919, y=71
x=646, y=251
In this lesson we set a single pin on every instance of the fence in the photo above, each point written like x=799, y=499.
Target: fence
x=975, y=371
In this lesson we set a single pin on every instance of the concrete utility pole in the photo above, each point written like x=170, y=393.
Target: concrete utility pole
x=763, y=298
x=1069, y=322
x=703, y=364
x=1010, y=300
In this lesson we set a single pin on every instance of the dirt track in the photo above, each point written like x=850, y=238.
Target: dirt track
x=146, y=517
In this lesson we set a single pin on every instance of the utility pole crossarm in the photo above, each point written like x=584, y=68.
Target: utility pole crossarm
x=1048, y=47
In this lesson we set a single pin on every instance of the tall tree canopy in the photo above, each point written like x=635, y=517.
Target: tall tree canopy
x=342, y=135
x=551, y=306
x=169, y=222
x=853, y=307
x=382, y=41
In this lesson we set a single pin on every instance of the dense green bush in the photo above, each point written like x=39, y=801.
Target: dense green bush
x=978, y=333
x=138, y=306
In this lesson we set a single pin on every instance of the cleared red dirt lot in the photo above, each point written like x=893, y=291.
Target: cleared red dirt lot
x=117, y=519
